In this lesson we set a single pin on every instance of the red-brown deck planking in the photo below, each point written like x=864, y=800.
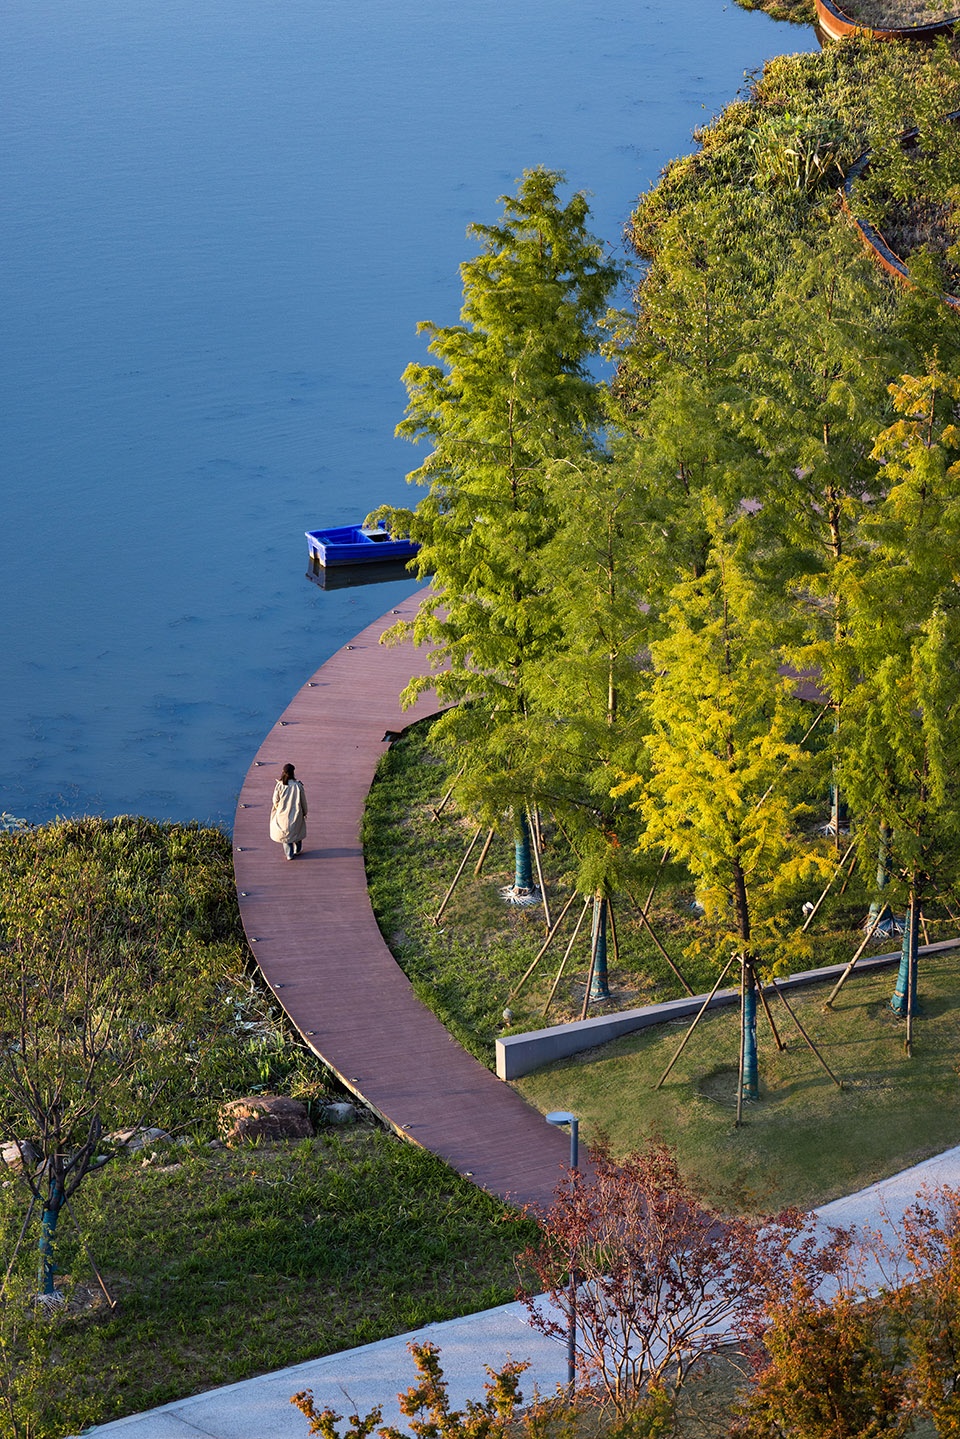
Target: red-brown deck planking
x=314, y=937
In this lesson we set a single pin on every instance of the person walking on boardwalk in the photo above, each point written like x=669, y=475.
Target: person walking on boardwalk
x=288, y=813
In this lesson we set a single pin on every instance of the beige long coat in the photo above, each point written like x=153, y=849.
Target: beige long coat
x=288, y=812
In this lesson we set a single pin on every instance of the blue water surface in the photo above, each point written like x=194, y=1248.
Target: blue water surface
x=222, y=220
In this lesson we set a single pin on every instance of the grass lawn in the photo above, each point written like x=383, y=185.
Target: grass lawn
x=802, y=1144
x=467, y=967
x=228, y=1263
x=800, y=12
x=805, y=1141
x=224, y=1262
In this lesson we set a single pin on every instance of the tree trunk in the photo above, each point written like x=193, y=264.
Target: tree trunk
x=599, y=989
x=838, y=810
x=523, y=866
x=751, y=1084
x=48, y=1226
x=904, y=1001
x=838, y=814
x=741, y=902
x=879, y=910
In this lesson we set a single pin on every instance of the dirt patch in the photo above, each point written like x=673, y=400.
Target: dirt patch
x=720, y=1087
x=925, y=225
x=898, y=14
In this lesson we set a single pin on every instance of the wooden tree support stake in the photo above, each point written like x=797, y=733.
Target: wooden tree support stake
x=850, y=868
x=656, y=880
x=566, y=955
x=874, y=925
x=484, y=852
x=100, y=1279
x=796, y=1020
x=770, y=1020
x=594, y=940
x=700, y=1014
x=807, y=922
x=911, y=976
x=534, y=824
x=542, y=950
x=456, y=877
x=613, y=933
x=446, y=798
x=660, y=947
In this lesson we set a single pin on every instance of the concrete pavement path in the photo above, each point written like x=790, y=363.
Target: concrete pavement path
x=354, y=1381
x=357, y=1379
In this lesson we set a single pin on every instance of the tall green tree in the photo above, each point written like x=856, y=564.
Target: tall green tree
x=901, y=595
x=587, y=691
x=676, y=356
x=511, y=393
x=811, y=399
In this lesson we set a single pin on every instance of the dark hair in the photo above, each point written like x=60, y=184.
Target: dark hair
x=287, y=774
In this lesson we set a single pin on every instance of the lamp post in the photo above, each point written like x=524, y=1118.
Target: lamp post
x=560, y=1119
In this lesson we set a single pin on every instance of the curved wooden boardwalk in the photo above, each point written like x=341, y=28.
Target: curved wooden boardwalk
x=312, y=931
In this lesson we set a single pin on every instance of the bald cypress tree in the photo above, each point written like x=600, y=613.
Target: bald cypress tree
x=901, y=595
x=510, y=394
x=723, y=788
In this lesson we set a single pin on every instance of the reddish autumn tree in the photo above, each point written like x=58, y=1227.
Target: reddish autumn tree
x=662, y=1278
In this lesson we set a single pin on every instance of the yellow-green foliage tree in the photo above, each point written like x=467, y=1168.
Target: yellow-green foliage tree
x=726, y=769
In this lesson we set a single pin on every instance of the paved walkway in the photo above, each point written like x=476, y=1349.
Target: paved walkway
x=311, y=928
x=357, y=1379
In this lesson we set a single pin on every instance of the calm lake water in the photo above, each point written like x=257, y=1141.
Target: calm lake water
x=222, y=221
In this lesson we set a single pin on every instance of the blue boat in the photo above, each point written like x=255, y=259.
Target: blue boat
x=358, y=545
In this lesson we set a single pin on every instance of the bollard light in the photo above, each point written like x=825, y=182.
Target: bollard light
x=561, y=1119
